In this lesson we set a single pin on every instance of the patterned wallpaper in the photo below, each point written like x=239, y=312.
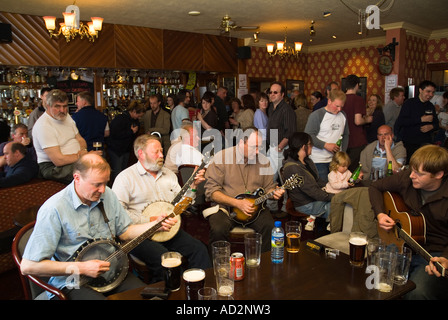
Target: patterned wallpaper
x=319, y=68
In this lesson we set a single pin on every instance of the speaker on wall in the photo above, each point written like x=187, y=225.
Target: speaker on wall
x=244, y=52
x=5, y=33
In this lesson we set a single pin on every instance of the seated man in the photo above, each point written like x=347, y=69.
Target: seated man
x=57, y=140
x=70, y=218
x=423, y=188
x=21, y=167
x=376, y=155
x=19, y=133
x=238, y=170
x=145, y=182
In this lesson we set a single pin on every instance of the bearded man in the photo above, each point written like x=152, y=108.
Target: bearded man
x=145, y=182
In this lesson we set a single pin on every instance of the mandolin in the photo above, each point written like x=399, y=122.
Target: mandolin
x=409, y=229
x=116, y=254
x=258, y=199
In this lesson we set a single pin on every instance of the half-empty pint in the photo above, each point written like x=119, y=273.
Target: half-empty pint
x=358, y=243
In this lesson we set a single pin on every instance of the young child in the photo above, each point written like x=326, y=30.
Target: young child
x=339, y=173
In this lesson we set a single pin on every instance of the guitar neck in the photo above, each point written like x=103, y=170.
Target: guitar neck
x=420, y=250
x=187, y=185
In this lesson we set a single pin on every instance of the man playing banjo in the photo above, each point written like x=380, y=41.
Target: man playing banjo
x=146, y=189
x=70, y=218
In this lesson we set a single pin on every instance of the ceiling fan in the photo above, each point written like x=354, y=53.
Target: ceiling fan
x=227, y=25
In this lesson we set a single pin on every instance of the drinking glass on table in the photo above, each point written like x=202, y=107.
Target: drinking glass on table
x=358, y=243
x=194, y=280
x=252, y=247
x=293, y=230
x=172, y=270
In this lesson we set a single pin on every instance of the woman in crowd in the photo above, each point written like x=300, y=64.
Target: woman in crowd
x=317, y=100
x=261, y=116
x=374, y=109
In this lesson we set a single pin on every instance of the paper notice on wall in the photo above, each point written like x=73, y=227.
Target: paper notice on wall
x=391, y=82
x=242, y=81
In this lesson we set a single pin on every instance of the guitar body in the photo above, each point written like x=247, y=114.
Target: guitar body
x=239, y=216
x=414, y=226
x=108, y=250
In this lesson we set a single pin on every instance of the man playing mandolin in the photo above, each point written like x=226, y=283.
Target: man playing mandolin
x=240, y=170
x=144, y=189
x=424, y=189
x=70, y=218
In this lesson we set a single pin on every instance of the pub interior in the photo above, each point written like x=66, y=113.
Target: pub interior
x=131, y=61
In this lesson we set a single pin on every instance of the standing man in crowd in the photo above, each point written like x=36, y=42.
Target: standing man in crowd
x=221, y=111
x=157, y=119
x=355, y=110
x=37, y=112
x=418, y=120
x=326, y=126
x=392, y=109
x=91, y=123
x=180, y=113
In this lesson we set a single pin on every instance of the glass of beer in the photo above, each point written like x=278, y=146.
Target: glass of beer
x=293, y=230
x=194, y=280
x=358, y=243
x=97, y=145
x=171, y=263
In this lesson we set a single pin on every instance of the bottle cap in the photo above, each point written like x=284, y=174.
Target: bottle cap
x=278, y=224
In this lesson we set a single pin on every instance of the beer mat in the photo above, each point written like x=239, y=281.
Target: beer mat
x=151, y=292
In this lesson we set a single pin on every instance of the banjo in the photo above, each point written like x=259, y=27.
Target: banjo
x=154, y=209
x=111, y=251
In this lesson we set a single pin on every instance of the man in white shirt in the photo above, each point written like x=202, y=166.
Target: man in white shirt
x=180, y=112
x=56, y=139
x=146, y=182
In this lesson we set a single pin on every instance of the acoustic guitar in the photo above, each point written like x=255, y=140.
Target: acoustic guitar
x=115, y=253
x=409, y=229
x=258, y=199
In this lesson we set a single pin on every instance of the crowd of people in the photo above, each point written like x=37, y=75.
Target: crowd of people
x=260, y=140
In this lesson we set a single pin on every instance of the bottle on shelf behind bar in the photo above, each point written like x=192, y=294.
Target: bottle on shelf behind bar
x=355, y=174
x=277, y=243
x=389, y=169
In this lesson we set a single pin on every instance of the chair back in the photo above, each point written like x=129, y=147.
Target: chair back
x=183, y=174
x=33, y=287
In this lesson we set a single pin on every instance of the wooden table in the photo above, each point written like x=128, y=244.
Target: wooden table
x=304, y=275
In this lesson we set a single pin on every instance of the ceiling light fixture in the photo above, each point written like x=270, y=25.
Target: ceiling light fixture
x=72, y=27
x=326, y=14
x=256, y=37
x=284, y=49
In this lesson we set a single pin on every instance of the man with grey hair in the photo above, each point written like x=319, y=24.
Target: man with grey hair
x=56, y=139
x=147, y=182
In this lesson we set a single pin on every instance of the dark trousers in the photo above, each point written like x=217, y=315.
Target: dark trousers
x=221, y=224
x=194, y=250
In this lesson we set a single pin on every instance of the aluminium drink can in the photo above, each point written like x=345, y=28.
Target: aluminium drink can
x=237, y=266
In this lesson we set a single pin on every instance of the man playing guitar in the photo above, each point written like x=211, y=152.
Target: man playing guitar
x=240, y=170
x=424, y=189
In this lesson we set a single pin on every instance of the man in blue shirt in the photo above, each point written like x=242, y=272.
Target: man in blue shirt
x=70, y=218
x=21, y=167
x=91, y=123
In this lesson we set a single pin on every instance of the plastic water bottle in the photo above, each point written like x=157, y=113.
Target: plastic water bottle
x=277, y=243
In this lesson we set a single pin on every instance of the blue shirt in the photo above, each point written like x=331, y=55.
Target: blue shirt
x=91, y=124
x=64, y=223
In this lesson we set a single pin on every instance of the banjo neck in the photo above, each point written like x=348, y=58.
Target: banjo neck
x=187, y=184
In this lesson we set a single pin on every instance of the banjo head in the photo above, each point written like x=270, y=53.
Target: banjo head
x=108, y=250
x=153, y=211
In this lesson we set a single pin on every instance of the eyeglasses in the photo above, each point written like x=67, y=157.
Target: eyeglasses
x=273, y=92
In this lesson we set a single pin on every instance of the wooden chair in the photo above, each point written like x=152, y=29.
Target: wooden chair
x=34, y=288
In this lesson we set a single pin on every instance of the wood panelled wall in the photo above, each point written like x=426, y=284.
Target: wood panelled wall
x=118, y=46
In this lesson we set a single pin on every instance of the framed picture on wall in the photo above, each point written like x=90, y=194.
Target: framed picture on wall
x=362, y=86
x=292, y=85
